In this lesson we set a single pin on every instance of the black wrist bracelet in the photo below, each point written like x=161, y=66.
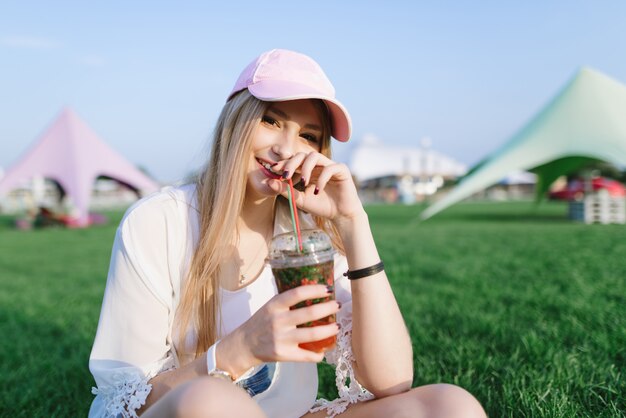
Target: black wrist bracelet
x=367, y=271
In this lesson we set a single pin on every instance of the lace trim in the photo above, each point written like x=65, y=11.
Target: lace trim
x=127, y=393
x=343, y=358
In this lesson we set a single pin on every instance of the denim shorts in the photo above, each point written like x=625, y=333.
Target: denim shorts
x=259, y=381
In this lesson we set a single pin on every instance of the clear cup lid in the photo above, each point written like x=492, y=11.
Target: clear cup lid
x=316, y=248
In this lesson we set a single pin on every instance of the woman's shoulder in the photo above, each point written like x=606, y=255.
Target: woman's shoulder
x=169, y=213
x=167, y=202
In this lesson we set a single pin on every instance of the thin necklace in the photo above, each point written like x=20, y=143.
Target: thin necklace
x=243, y=276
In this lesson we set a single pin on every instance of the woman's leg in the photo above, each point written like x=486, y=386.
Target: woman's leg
x=430, y=401
x=206, y=397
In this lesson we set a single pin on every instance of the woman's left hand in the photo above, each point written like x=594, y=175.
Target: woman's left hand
x=329, y=189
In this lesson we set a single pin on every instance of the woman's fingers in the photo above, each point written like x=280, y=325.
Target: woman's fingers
x=273, y=330
x=340, y=171
x=315, y=168
x=299, y=294
x=309, y=163
x=329, y=191
x=304, y=163
x=308, y=335
x=316, y=333
x=291, y=165
x=312, y=313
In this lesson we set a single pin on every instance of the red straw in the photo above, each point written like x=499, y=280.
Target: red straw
x=295, y=213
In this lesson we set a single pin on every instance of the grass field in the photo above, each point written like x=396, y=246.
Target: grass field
x=519, y=306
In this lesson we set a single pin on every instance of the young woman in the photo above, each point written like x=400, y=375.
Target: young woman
x=192, y=324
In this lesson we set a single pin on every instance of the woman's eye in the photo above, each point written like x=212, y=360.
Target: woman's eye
x=269, y=120
x=309, y=137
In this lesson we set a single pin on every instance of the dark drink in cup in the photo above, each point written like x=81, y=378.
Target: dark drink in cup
x=313, y=265
x=290, y=277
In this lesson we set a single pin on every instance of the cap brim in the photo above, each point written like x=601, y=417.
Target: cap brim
x=280, y=91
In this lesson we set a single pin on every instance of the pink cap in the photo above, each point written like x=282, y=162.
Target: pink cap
x=279, y=75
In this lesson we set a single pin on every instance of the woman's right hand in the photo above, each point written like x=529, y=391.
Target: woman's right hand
x=271, y=334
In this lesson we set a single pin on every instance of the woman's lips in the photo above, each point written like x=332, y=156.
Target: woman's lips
x=267, y=172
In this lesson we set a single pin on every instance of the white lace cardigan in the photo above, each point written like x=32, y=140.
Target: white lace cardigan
x=134, y=341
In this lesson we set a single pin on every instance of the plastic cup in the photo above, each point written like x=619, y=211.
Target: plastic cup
x=314, y=265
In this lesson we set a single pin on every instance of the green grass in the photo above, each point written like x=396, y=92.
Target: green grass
x=518, y=305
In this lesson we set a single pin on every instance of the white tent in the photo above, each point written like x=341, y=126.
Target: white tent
x=585, y=121
x=371, y=158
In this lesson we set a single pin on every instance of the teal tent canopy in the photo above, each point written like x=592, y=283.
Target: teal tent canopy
x=585, y=121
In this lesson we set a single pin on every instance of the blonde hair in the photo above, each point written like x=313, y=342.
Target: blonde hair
x=220, y=191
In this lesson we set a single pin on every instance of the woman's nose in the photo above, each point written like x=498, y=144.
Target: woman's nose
x=284, y=148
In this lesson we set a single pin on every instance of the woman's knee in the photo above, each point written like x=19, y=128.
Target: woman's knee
x=209, y=397
x=445, y=400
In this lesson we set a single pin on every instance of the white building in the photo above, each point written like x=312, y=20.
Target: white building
x=371, y=158
x=390, y=173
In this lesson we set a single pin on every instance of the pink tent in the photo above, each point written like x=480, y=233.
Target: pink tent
x=71, y=154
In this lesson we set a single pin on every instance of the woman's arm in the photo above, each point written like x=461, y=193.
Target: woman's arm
x=380, y=341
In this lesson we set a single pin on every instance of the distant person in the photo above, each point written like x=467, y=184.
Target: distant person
x=45, y=217
x=191, y=322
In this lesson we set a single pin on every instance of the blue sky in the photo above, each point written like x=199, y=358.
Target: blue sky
x=151, y=77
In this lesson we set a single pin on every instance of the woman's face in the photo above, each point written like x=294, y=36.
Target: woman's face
x=286, y=129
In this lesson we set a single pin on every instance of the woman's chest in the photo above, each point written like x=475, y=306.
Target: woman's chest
x=238, y=306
